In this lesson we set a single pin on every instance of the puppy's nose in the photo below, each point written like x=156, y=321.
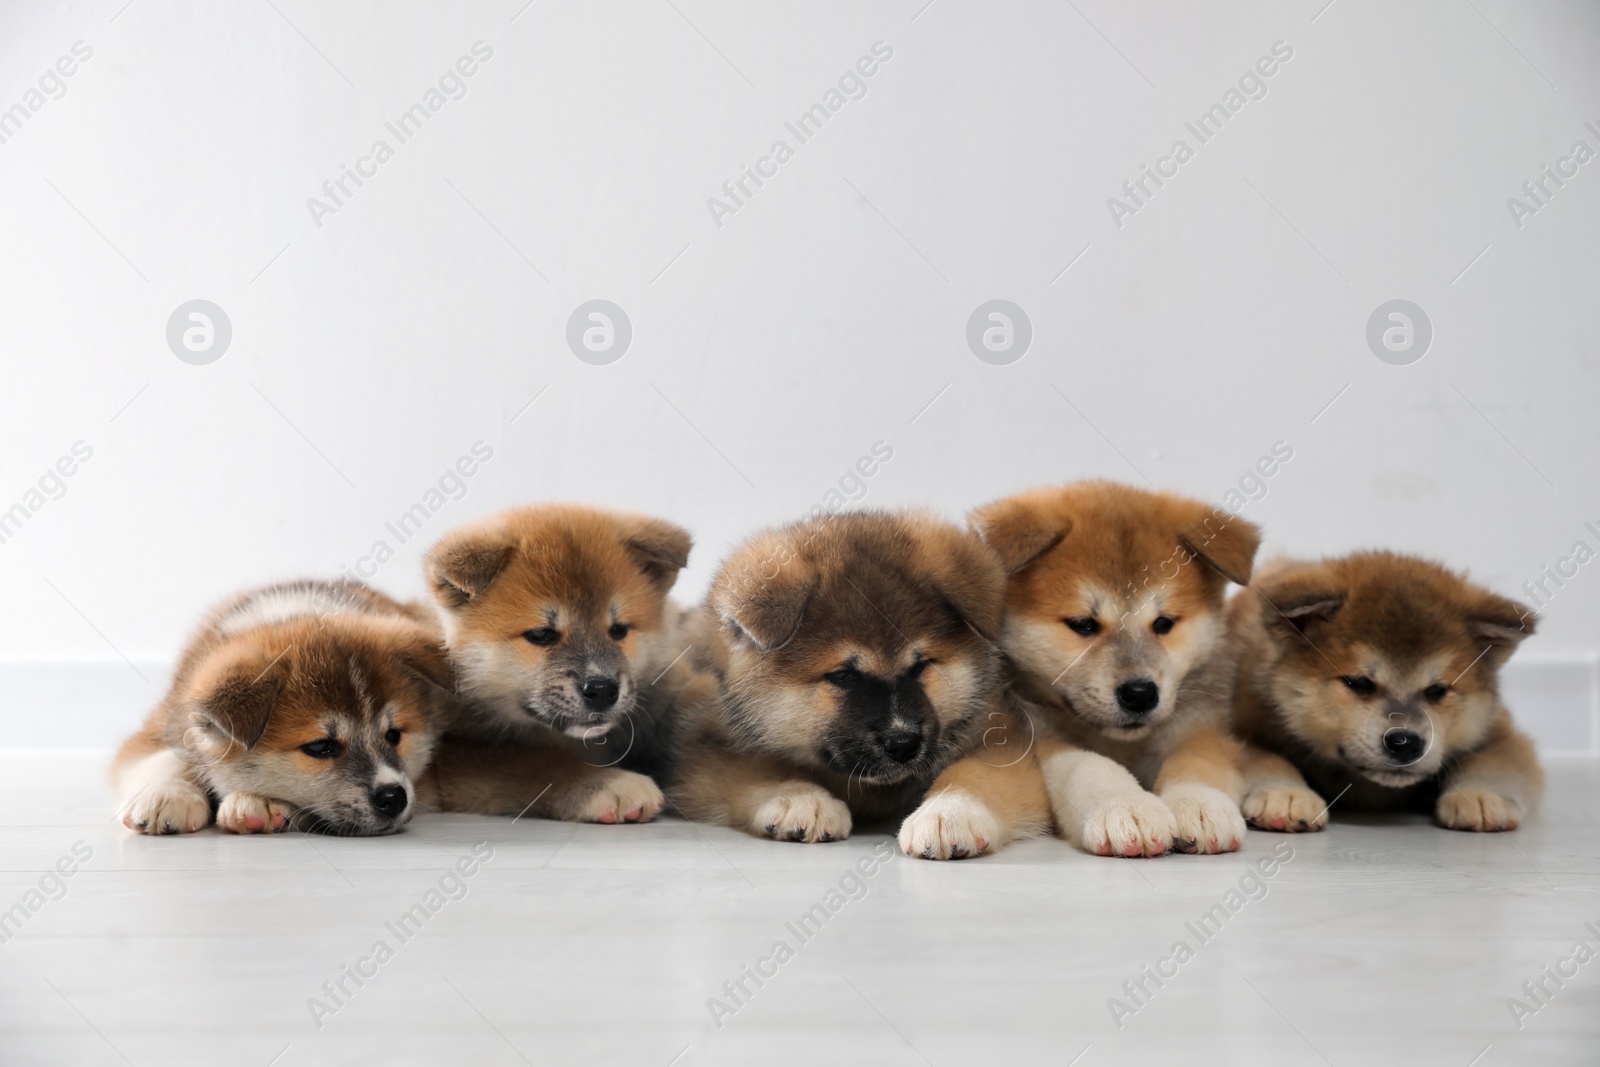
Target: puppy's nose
x=1138, y=696
x=390, y=800
x=901, y=746
x=1403, y=746
x=599, y=693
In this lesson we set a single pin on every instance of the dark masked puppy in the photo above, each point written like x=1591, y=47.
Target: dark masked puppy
x=1115, y=628
x=313, y=704
x=561, y=636
x=1379, y=673
x=858, y=669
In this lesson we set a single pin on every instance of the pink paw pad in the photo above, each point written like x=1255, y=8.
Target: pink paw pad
x=254, y=822
x=608, y=817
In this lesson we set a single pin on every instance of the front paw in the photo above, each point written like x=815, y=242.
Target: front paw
x=1467, y=808
x=810, y=814
x=1292, y=809
x=1207, y=819
x=169, y=808
x=621, y=796
x=247, y=813
x=1130, y=824
x=950, y=826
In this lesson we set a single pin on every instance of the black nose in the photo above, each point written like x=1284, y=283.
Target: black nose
x=390, y=800
x=901, y=746
x=1138, y=696
x=1403, y=746
x=599, y=693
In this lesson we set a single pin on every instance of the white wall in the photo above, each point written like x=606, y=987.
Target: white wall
x=769, y=352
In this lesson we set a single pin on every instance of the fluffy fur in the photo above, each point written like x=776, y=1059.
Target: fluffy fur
x=1115, y=630
x=858, y=669
x=562, y=640
x=1378, y=674
x=317, y=705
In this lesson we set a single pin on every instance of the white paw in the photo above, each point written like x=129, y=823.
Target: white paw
x=950, y=826
x=809, y=814
x=1129, y=824
x=1292, y=809
x=622, y=796
x=168, y=808
x=247, y=813
x=1208, y=821
x=1466, y=808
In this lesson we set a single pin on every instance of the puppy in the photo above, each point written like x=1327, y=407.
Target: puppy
x=1378, y=675
x=561, y=638
x=858, y=669
x=1115, y=628
x=310, y=704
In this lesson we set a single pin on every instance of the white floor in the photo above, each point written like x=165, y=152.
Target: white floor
x=1380, y=941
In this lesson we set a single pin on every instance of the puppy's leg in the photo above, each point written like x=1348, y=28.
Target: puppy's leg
x=1495, y=787
x=975, y=807
x=545, y=782
x=1100, y=807
x=1201, y=783
x=156, y=790
x=760, y=796
x=1276, y=796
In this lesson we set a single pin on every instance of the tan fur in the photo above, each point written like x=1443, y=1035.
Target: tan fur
x=1406, y=624
x=273, y=670
x=536, y=601
x=1123, y=562
x=908, y=605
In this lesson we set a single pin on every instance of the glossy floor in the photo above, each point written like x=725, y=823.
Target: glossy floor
x=1379, y=941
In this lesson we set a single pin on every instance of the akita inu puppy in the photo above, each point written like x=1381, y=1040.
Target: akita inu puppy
x=1378, y=674
x=1115, y=628
x=314, y=704
x=561, y=636
x=859, y=669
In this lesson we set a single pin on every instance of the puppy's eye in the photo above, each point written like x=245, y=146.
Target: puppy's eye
x=844, y=677
x=1435, y=692
x=1163, y=625
x=919, y=667
x=393, y=736
x=324, y=748
x=618, y=631
x=1082, y=625
x=1360, y=684
x=542, y=636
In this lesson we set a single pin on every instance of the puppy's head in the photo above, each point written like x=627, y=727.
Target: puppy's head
x=334, y=715
x=1386, y=664
x=552, y=614
x=861, y=643
x=1114, y=594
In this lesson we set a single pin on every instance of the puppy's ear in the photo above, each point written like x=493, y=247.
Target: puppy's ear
x=1019, y=529
x=1226, y=542
x=1498, y=622
x=235, y=695
x=967, y=573
x=761, y=594
x=1299, y=599
x=465, y=563
x=657, y=547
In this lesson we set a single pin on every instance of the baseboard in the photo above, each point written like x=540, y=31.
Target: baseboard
x=95, y=704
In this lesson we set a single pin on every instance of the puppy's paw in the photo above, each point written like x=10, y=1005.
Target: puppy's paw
x=950, y=826
x=1292, y=809
x=168, y=808
x=1469, y=808
x=621, y=796
x=1208, y=821
x=248, y=813
x=808, y=814
x=1129, y=824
